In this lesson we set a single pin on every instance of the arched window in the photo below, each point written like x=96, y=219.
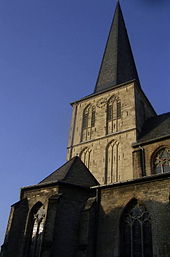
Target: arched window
x=88, y=122
x=113, y=114
x=135, y=231
x=112, y=162
x=35, y=230
x=161, y=161
x=85, y=156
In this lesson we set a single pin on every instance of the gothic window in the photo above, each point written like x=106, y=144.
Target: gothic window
x=135, y=231
x=113, y=114
x=118, y=109
x=88, y=122
x=93, y=117
x=112, y=162
x=161, y=161
x=35, y=230
x=85, y=120
x=85, y=156
x=109, y=112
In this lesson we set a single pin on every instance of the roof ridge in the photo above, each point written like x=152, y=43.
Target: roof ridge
x=73, y=161
x=58, y=169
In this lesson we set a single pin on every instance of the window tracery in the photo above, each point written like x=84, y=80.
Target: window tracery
x=36, y=226
x=88, y=122
x=136, y=233
x=113, y=114
x=161, y=161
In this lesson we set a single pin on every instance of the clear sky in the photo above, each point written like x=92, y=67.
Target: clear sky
x=50, y=53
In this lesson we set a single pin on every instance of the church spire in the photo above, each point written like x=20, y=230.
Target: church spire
x=118, y=64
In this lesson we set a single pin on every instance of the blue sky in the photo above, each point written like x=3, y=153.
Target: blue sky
x=50, y=53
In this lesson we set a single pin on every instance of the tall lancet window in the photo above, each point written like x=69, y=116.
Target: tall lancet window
x=113, y=114
x=88, y=123
x=161, y=161
x=113, y=162
x=35, y=230
x=135, y=231
x=85, y=156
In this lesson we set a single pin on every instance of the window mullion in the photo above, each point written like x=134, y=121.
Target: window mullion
x=141, y=224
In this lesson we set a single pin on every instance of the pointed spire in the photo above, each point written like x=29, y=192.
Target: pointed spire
x=118, y=64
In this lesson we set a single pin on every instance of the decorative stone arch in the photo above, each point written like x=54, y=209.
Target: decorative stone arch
x=160, y=160
x=35, y=227
x=85, y=156
x=135, y=230
x=112, y=165
x=113, y=98
x=88, y=122
x=125, y=205
x=113, y=114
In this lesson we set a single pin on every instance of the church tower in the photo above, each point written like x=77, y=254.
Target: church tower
x=106, y=123
x=114, y=199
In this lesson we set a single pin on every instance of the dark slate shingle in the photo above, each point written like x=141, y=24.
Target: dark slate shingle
x=118, y=65
x=73, y=172
x=156, y=127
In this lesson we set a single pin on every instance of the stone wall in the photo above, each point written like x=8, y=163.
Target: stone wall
x=62, y=207
x=94, y=150
x=147, y=150
x=144, y=109
x=124, y=133
x=153, y=193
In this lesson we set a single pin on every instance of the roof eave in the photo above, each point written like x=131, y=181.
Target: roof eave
x=135, y=181
x=104, y=91
x=149, y=141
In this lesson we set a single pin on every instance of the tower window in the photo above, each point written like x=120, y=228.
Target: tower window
x=118, y=110
x=85, y=121
x=161, y=161
x=113, y=114
x=88, y=122
x=93, y=116
x=135, y=230
x=109, y=113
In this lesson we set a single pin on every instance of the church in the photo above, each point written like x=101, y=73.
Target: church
x=112, y=196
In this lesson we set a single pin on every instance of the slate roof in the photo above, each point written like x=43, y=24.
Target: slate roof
x=73, y=172
x=155, y=127
x=118, y=64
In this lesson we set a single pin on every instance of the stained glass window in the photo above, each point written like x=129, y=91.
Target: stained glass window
x=161, y=161
x=136, y=233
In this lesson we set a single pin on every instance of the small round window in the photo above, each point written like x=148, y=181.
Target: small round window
x=161, y=162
